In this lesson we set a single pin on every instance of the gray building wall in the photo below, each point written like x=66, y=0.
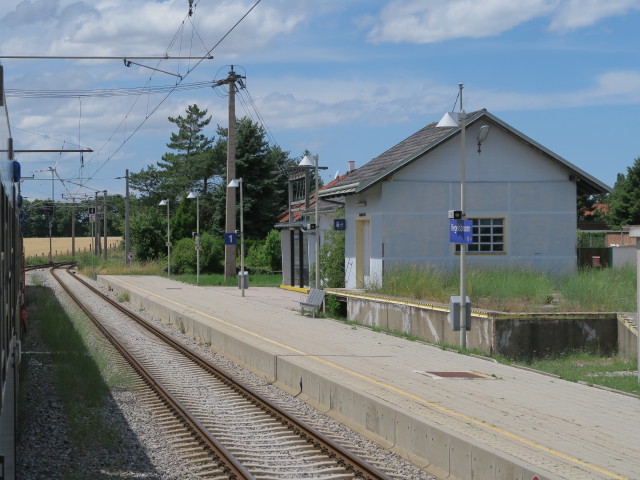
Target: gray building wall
x=509, y=179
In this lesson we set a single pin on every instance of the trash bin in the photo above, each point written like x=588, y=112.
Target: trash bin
x=243, y=276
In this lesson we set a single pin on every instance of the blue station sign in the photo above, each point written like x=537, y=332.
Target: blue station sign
x=230, y=238
x=339, y=224
x=461, y=231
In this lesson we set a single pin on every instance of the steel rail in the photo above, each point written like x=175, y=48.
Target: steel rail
x=49, y=265
x=342, y=456
x=232, y=467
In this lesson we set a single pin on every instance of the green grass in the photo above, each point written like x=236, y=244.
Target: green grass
x=91, y=267
x=594, y=290
x=83, y=368
x=217, y=280
x=612, y=372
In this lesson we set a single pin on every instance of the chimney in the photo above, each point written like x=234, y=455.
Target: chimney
x=352, y=165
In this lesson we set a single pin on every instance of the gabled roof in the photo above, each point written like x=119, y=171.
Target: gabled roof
x=430, y=137
x=299, y=211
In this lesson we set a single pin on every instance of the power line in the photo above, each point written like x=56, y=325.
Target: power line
x=102, y=92
x=171, y=90
x=122, y=57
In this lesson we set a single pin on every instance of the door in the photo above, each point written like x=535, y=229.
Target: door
x=363, y=251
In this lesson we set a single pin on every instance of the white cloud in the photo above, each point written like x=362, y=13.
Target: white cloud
x=139, y=27
x=416, y=21
x=573, y=14
x=430, y=21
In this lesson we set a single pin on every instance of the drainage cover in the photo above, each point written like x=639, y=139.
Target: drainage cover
x=454, y=375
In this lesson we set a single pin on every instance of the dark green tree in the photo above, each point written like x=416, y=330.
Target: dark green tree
x=35, y=223
x=623, y=205
x=149, y=184
x=264, y=190
x=183, y=222
x=192, y=164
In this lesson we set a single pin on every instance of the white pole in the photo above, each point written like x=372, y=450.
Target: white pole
x=463, y=246
x=315, y=157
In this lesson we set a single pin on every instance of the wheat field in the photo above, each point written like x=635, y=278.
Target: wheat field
x=62, y=245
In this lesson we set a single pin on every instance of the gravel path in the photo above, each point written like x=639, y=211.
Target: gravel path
x=140, y=451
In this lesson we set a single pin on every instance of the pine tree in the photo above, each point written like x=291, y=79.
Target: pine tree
x=623, y=205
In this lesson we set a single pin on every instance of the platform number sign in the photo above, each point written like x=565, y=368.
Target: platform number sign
x=339, y=224
x=230, y=238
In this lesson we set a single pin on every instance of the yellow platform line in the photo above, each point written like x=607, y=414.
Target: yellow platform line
x=391, y=388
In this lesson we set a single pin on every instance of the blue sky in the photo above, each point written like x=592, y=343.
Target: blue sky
x=346, y=79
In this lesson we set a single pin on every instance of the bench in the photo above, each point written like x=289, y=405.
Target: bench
x=312, y=302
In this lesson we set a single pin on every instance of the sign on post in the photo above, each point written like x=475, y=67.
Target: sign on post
x=339, y=224
x=461, y=231
x=230, y=238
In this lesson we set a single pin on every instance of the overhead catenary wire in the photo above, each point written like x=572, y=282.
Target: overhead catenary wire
x=166, y=91
x=127, y=138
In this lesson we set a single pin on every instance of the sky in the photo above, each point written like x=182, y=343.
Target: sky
x=346, y=79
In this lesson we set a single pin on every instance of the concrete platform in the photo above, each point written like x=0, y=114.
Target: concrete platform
x=507, y=423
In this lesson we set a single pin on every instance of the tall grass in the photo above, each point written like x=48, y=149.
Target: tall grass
x=605, y=289
x=84, y=370
x=599, y=290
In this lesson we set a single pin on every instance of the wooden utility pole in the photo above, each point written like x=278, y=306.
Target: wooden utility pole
x=96, y=223
x=127, y=241
x=104, y=212
x=230, y=211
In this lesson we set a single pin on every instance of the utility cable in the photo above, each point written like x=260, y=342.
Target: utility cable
x=172, y=89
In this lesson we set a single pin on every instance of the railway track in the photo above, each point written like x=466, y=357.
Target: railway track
x=229, y=430
x=48, y=265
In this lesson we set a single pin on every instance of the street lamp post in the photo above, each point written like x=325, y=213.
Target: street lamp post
x=197, y=197
x=162, y=203
x=235, y=183
x=449, y=121
x=306, y=162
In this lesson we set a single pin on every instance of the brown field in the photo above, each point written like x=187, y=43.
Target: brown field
x=62, y=245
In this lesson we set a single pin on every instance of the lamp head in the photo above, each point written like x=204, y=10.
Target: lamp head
x=449, y=119
x=164, y=202
x=306, y=162
x=482, y=135
x=235, y=183
x=192, y=195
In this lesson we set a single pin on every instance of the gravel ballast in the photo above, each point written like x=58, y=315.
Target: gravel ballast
x=45, y=448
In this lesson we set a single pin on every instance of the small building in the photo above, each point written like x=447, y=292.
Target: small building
x=520, y=196
x=298, y=226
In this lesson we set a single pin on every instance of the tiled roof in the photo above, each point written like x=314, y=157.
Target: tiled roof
x=299, y=209
x=429, y=137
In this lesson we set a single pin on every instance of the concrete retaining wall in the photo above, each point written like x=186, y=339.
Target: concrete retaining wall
x=512, y=335
x=429, y=445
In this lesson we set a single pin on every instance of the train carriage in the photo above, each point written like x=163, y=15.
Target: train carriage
x=11, y=291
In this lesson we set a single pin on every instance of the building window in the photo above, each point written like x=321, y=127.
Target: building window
x=488, y=236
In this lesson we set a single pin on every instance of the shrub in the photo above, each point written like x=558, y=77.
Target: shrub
x=332, y=260
x=266, y=255
x=211, y=253
x=148, y=235
x=183, y=256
